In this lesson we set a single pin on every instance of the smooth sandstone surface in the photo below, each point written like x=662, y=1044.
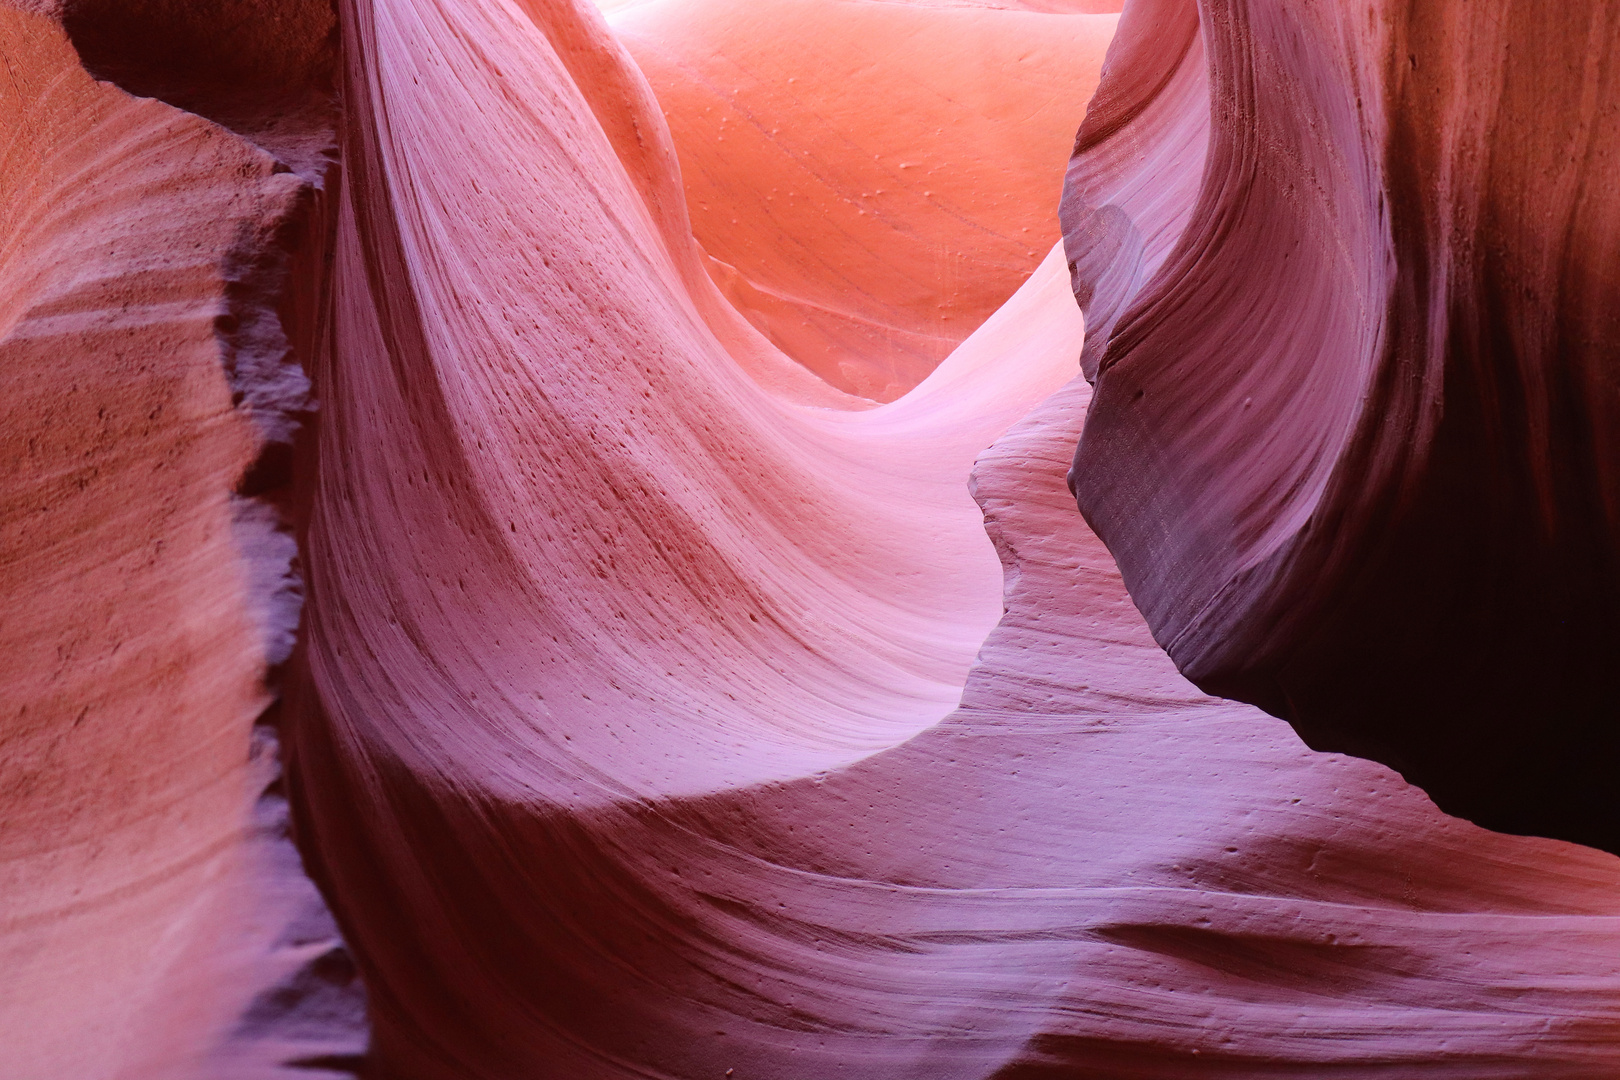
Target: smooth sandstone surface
x=869, y=180
x=662, y=704
x=1350, y=272
x=631, y=737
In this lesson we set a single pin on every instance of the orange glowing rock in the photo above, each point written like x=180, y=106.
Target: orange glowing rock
x=870, y=180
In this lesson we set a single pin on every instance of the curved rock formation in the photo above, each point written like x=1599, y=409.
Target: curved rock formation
x=1352, y=438
x=625, y=743
x=659, y=707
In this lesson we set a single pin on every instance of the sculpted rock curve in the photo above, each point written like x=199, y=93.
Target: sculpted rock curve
x=1353, y=439
x=633, y=735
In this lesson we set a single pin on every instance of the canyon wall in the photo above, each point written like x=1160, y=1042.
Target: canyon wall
x=153, y=917
x=663, y=590
x=631, y=739
x=1353, y=444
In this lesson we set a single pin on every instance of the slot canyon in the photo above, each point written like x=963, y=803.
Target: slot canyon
x=810, y=540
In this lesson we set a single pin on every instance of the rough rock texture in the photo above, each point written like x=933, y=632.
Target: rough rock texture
x=148, y=893
x=629, y=738
x=1357, y=351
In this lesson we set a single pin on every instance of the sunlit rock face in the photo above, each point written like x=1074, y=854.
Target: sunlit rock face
x=869, y=194
x=1354, y=439
x=702, y=669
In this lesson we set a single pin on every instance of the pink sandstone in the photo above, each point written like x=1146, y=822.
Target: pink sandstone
x=628, y=746
x=663, y=703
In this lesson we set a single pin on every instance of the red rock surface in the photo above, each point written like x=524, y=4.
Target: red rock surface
x=1353, y=442
x=147, y=893
x=660, y=708
x=628, y=743
x=870, y=195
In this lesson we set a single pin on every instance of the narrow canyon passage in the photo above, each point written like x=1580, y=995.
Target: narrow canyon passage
x=703, y=668
x=625, y=746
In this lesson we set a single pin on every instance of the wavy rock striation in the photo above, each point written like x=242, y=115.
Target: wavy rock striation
x=1351, y=275
x=664, y=705
x=631, y=735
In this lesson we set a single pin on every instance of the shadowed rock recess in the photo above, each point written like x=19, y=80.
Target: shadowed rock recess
x=594, y=477
x=1356, y=444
